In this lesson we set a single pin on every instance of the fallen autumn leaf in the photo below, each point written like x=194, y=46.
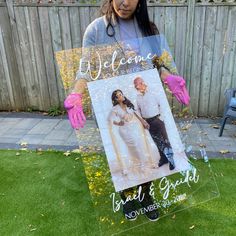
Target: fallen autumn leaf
x=192, y=227
x=224, y=151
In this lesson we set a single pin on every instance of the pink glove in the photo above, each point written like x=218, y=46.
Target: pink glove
x=73, y=105
x=176, y=84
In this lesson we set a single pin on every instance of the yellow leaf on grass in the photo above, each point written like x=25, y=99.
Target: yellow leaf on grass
x=192, y=227
x=202, y=145
x=173, y=217
x=76, y=151
x=66, y=153
x=23, y=143
x=17, y=154
x=98, y=174
x=224, y=151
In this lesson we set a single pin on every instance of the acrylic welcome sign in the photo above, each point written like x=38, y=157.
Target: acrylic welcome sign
x=142, y=161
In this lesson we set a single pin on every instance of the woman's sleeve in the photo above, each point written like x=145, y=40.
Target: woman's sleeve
x=113, y=116
x=88, y=45
x=89, y=36
x=164, y=57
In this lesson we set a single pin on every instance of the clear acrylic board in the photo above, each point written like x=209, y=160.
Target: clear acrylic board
x=121, y=155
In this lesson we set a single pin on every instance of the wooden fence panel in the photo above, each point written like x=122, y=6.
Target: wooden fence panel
x=208, y=43
x=84, y=19
x=9, y=65
x=217, y=60
x=93, y=13
x=170, y=15
x=76, y=36
x=181, y=28
x=196, y=60
x=159, y=18
x=7, y=99
x=18, y=78
x=55, y=27
x=29, y=81
x=48, y=56
x=2, y=87
x=31, y=47
x=41, y=77
x=65, y=27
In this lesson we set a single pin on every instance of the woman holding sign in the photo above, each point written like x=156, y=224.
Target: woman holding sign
x=124, y=20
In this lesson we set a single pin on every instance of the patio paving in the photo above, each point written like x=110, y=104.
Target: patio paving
x=45, y=132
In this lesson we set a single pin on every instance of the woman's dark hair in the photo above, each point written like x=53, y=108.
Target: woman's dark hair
x=127, y=102
x=141, y=13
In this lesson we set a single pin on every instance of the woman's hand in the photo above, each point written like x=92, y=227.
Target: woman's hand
x=177, y=86
x=73, y=105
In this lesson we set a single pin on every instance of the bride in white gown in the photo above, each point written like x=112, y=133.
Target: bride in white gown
x=133, y=130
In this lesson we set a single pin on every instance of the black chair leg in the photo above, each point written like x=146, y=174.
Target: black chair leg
x=223, y=125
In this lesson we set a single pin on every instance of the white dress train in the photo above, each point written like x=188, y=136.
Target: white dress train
x=141, y=147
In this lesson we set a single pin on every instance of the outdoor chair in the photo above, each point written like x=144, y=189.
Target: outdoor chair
x=230, y=109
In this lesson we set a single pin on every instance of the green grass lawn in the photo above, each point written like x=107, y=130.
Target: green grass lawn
x=46, y=193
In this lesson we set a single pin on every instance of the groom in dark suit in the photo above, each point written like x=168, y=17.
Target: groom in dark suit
x=149, y=108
